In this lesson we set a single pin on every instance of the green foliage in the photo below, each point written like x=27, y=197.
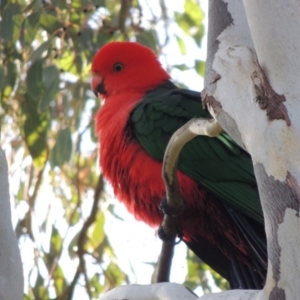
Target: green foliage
x=46, y=48
x=200, y=67
x=62, y=150
x=191, y=21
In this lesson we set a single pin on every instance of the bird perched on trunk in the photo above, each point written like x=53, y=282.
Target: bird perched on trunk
x=222, y=221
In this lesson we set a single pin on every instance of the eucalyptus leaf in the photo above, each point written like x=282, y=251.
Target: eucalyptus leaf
x=56, y=240
x=9, y=79
x=100, y=3
x=200, y=67
x=181, y=45
x=51, y=82
x=49, y=94
x=7, y=23
x=30, y=28
x=34, y=80
x=35, y=130
x=148, y=39
x=98, y=234
x=2, y=78
x=59, y=279
x=50, y=23
x=37, y=53
x=62, y=150
x=79, y=3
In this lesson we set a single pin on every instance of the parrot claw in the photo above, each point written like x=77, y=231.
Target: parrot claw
x=165, y=238
x=164, y=207
x=167, y=210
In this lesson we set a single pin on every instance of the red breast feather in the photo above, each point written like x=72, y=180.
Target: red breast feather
x=136, y=177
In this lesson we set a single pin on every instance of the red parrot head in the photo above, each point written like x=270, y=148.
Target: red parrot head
x=121, y=67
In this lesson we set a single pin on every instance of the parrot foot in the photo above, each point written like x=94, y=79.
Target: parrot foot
x=167, y=210
x=166, y=238
x=168, y=230
x=164, y=207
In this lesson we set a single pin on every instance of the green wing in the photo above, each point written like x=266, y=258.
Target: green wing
x=218, y=164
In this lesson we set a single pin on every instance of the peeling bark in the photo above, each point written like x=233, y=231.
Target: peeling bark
x=216, y=25
x=267, y=98
x=227, y=31
x=284, y=195
x=211, y=102
x=215, y=108
x=277, y=197
x=277, y=294
x=257, y=91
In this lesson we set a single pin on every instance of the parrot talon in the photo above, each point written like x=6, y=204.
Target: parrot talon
x=166, y=209
x=166, y=239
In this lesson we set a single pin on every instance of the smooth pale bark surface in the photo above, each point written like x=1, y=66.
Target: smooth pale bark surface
x=173, y=291
x=11, y=272
x=256, y=101
x=159, y=291
x=277, y=45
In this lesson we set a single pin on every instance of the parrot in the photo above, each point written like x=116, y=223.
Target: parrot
x=222, y=220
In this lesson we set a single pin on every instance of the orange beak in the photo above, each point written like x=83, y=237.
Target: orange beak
x=97, y=85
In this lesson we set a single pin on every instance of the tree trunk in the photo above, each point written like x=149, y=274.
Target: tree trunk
x=11, y=272
x=253, y=94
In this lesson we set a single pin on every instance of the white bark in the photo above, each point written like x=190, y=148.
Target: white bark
x=159, y=291
x=173, y=291
x=11, y=272
x=257, y=88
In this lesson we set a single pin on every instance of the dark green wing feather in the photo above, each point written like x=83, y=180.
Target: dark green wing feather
x=218, y=164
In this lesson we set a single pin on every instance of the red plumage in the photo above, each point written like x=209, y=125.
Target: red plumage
x=125, y=74
x=135, y=176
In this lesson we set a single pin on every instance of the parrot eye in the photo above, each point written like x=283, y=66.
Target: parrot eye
x=118, y=67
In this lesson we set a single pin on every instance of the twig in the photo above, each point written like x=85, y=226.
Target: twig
x=207, y=127
x=165, y=262
x=58, y=256
x=81, y=241
x=32, y=198
x=170, y=224
x=164, y=14
x=123, y=15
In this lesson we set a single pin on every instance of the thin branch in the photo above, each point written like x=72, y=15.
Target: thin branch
x=123, y=15
x=81, y=243
x=164, y=15
x=68, y=293
x=58, y=256
x=206, y=127
x=165, y=262
x=92, y=217
x=170, y=224
x=32, y=198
